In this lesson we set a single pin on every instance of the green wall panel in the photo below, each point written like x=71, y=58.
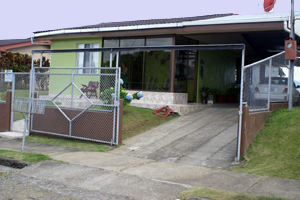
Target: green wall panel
x=59, y=82
x=218, y=70
x=157, y=65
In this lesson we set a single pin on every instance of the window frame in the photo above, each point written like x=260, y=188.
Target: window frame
x=82, y=61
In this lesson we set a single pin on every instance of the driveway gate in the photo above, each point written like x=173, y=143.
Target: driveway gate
x=75, y=108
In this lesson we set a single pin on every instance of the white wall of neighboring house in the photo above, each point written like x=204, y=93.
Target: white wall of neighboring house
x=27, y=50
x=297, y=25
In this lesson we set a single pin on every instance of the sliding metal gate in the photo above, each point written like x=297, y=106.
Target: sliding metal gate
x=75, y=106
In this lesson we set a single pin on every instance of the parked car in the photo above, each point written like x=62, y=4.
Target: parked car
x=279, y=90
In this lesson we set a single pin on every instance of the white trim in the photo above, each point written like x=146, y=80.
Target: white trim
x=127, y=27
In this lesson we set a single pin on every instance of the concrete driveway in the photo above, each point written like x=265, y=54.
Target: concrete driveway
x=206, y=137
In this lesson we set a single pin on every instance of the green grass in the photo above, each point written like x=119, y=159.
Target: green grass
x=26, y=157
x=220, y=195
x=137, y=120
x=275, y=152
x=79, y=144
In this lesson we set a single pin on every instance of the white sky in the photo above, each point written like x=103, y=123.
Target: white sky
x=20, y=18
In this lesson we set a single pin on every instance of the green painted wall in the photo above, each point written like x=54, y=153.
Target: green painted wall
x=190, y=90
x=157, y=65
x=218, y=70
x=59, y=82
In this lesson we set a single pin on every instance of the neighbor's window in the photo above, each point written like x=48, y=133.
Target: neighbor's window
x=87, y=59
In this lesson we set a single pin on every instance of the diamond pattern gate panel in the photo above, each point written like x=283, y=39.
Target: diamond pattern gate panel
x=264, y=82
x=80, y=103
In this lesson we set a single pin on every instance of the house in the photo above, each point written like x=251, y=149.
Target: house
x=175, y=77
x=24, y=46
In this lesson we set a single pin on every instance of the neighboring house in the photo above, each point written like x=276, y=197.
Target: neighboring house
x=24, y=46
x=175, y=72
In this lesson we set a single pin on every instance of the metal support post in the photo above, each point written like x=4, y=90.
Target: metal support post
x=41, y=60
x=72, y=92
x=291, y=71
x=117, y=61
x=237, y=159
x=110, y=59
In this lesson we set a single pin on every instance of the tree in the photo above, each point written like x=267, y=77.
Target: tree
x=22, y=63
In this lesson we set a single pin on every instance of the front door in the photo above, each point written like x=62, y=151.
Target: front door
x=186, y=73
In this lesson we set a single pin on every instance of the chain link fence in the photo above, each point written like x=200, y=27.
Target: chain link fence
x=18, y=83
x=266, y=81
x=80, y=103
x=5, y=85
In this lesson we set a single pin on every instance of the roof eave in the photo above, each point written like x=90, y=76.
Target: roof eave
x=233, y=19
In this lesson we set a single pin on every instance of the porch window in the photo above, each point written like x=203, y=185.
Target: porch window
x=87, y=59
x=146, y=70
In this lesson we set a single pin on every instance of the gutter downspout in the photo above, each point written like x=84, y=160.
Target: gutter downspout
x=38, y=43
x=286, y=27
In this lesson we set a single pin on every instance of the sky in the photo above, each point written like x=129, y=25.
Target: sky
x=19, y=18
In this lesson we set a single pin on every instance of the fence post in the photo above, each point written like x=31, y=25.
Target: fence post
x=237, y=159
x=269, y=91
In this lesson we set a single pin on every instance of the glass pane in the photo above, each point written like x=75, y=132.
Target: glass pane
x=106, y=55
x=192, y=59
x=181, y=40
x=111, y=43
x=132, y=69
x=133, y=42
x=157, y=71
x=180, y=81
x=132, y=63
x=158, y=41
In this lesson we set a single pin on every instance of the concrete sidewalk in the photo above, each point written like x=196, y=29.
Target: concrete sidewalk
x=159, y=163
x=141, y=178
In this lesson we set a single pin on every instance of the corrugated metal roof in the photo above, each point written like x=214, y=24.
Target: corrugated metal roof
x=143, y=22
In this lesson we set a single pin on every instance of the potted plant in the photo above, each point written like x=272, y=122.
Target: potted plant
x=232, y=94
x=205, y=91
x=215, y=92
x=221, y=96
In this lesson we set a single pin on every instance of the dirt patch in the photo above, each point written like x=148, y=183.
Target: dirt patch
x=12, y=163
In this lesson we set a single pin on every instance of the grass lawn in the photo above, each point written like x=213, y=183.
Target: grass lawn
x=26, y=157
x=275, y=152
x=79, y=144
x=135, y=121
x=220, y=195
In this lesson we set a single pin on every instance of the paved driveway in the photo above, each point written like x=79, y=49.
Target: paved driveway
x=206, y=137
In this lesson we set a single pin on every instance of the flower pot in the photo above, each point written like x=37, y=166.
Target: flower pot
x=220, y=98
x=230, y=98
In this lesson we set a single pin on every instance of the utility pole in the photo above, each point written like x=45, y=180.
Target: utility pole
x=291, y=74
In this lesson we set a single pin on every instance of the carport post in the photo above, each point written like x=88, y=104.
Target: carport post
x=237, y=158
x=110, y=58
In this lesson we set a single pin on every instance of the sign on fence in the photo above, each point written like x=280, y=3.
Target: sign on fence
x=8, y=75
